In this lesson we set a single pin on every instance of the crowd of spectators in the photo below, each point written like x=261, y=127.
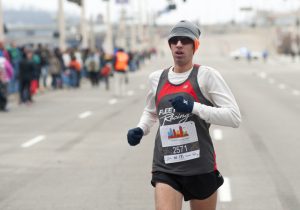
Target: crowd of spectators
x=29, y=69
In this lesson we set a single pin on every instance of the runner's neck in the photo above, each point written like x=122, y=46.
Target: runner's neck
x=182, y=69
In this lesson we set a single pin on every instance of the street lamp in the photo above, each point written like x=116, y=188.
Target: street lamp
x=109, y=48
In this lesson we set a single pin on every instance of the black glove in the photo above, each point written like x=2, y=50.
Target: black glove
x=134, y=136
x=181, y=104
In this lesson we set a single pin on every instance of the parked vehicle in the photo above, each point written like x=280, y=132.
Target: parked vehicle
x=245, y=53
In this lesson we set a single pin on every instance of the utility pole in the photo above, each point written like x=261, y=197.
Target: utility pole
x=92, y=38
x=2, y=36
x=148, y=33
x=133, y=27
x=122, y=35
x=109, y=48
x=83, y=26
x=61, y=25
x=133, y=35
x=152, y=30
x=141, y=28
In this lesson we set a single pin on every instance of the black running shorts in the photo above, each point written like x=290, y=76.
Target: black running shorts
x=191, y=187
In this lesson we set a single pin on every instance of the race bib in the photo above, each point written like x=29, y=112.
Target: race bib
x=179, y=142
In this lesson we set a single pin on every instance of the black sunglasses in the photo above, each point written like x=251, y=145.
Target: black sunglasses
x=183, y=39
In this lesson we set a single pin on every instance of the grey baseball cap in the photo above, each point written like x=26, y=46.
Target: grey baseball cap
x=185, y=28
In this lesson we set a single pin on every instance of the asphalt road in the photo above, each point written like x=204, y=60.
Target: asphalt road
x=68, y=150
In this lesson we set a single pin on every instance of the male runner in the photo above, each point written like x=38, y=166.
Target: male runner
x=186, y=98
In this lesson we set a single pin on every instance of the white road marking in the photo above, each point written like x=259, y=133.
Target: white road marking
x=225, y=191
x=33, y=141
x=263, y=75
x=130, y=92
x=296, y=92
x=84, y=114
x=217, y=134
x=113, y=101
x=281, y=86
x=142, y=87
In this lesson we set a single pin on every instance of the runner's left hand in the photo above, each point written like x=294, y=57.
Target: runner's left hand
x=181, y=104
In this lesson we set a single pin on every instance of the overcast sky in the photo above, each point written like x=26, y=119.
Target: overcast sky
x=204, y=11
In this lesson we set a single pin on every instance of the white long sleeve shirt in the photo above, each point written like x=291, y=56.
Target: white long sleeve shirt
x=213, y=87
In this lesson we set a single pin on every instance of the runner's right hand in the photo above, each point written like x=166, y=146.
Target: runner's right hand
x=134, y=136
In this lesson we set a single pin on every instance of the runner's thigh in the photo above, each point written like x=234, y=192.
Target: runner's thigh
x=167, y=198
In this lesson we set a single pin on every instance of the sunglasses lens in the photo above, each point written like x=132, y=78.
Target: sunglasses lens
x=183, y=40
x=173, y=40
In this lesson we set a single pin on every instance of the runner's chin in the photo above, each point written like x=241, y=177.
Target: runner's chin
x=180, y=59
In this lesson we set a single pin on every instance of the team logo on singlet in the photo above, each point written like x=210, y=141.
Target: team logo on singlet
x=169, y=115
